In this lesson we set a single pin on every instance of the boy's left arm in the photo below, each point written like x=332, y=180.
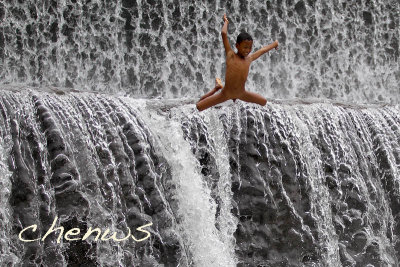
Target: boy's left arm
x=264, y=50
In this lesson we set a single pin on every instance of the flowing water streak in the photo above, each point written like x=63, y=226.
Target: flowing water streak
x=86, y=130
x=220, y=125
x=196, y=210
x=297, y=126
x=344, y=137
x=306, y=123
x=100, y=132
x=8, y=257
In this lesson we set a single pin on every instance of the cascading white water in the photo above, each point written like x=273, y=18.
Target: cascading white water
x=341, y=50
x=209, y=245
x=5, y=210
x=294, y=183
x=227, y=222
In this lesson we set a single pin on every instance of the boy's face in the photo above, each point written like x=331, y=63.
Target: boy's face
x=244, y=48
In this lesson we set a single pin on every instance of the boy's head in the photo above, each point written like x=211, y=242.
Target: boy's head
x=244, y=44
x=242, y=37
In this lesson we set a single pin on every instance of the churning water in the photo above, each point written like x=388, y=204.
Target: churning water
x=99, y=131
x=331, y=49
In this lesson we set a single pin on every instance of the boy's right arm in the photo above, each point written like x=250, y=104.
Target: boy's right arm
x=264, y=50
x=224, y=34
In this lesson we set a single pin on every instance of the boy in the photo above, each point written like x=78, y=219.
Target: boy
x=237, y=70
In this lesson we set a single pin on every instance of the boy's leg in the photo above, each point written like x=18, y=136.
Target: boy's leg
x=211, y=101
x=213, y=91
x=253, y=98
x=218, y=85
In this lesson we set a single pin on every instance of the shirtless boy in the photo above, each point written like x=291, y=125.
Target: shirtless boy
x=237, y=70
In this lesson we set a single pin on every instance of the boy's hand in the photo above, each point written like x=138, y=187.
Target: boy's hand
x=276, y=44
x=226, y=19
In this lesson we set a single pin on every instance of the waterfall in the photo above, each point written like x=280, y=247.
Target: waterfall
x=196, y=206
x=328, y=49
x=294, y=184
x=105, y=160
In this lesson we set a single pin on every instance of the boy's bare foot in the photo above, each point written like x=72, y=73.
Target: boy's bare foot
x=218, y=83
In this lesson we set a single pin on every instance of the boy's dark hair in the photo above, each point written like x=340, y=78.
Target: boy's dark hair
x=243, y=36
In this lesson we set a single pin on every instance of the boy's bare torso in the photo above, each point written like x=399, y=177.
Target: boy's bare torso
x=237, y=70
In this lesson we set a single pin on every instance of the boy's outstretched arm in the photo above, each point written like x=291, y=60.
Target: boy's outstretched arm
x=264, y=50
x=224, y=34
